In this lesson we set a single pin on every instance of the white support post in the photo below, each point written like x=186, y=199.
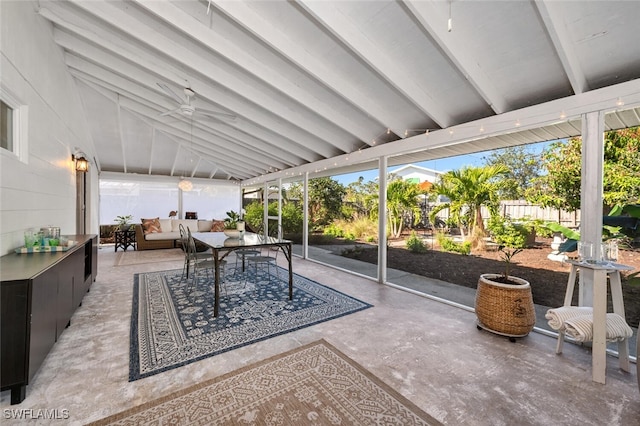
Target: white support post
x=591, y=192
x=280, y=233
x=305, y=217
x=265, y=209
x=382, y=220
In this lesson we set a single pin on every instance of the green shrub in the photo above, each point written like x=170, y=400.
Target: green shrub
x=447, y=244
x=359, y=228
x=415, y=244
x=291, y=216
x=333, y=230
x=540, y=226
x=507, y=233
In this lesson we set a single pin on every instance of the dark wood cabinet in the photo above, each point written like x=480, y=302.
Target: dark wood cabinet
x=39, y=294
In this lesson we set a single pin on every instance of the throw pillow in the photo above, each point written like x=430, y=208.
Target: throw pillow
x=217, y=226
x=151, y=226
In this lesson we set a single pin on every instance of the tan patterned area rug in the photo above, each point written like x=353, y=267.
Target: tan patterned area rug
x=314, y=384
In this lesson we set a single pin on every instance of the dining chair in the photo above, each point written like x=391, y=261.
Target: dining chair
x=265, y=260
x=199, y=261
x=242, y=255
x=188, y=259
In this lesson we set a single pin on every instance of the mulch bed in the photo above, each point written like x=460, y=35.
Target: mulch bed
x=548, y=278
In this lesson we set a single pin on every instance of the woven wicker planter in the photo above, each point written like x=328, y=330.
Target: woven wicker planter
x=505, y=309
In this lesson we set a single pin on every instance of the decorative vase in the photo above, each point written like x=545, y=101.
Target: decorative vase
x=232, y=233
x=505, y=309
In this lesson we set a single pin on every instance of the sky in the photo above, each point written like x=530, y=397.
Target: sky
x=442, y=164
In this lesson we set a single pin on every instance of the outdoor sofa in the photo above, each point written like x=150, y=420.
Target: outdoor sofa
x=164, y=233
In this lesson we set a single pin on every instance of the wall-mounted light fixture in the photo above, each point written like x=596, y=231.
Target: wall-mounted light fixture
x=82, y=164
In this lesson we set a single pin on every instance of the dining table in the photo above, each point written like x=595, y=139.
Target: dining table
x=223, y=245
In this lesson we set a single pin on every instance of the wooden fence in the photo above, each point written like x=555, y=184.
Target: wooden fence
x=520, y=209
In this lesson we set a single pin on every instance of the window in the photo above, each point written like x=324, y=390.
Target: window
x=13, y=126
x=6, y=126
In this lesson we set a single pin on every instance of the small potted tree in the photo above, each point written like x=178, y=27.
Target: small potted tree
x=233, y=225
x=124, y=222
x=504, y=303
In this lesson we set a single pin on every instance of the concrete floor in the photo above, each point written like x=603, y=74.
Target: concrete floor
x=428, y=351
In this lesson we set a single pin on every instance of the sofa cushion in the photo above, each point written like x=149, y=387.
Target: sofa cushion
x=165, y=225
x=204, y=225
x=151, y=226
x=156, y=236
x=217, y=225
x=192, y=224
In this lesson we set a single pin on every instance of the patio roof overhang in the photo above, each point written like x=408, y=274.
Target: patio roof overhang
x=329, y=87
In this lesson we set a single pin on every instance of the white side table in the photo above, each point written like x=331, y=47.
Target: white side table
x=598, y=273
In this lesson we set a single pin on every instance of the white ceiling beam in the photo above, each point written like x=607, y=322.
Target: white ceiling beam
x=233, y=157
x=243, y=132
x=553, y=21
x=559, y=111
x=182, y=131
x=254, y=24
x=120, y=135
x=142, y=95
x=453, y=45
x=121, y=16
x=327, y=14
x=65, y=18
x=272, y=35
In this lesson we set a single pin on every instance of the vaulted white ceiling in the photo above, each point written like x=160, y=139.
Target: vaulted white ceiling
x=311, y=82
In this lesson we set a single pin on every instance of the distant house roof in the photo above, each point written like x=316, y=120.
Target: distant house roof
x=416, y=174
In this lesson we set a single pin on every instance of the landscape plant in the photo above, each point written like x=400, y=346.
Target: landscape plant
x=523, y=166
x=448, y=244
x=468, y=190
x=559, y=186
x=507, y=254
x=402, y=196
x=507, y=233
x=291, y=216
x=325, y=201
x=358, y=228
x=415, y=243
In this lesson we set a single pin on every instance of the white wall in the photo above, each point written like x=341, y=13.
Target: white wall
x=41, y=191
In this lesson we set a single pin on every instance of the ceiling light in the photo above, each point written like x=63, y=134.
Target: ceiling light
x=185, y=185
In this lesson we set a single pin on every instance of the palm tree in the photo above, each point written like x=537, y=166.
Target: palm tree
x=402, y=199
x=468, y=189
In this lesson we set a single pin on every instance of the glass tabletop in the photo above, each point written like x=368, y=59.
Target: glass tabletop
x=219, y=240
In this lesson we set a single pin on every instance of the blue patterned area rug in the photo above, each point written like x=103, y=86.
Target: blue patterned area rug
x=172, y=323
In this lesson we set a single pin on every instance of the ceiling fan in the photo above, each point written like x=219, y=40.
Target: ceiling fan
x=186, y=109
